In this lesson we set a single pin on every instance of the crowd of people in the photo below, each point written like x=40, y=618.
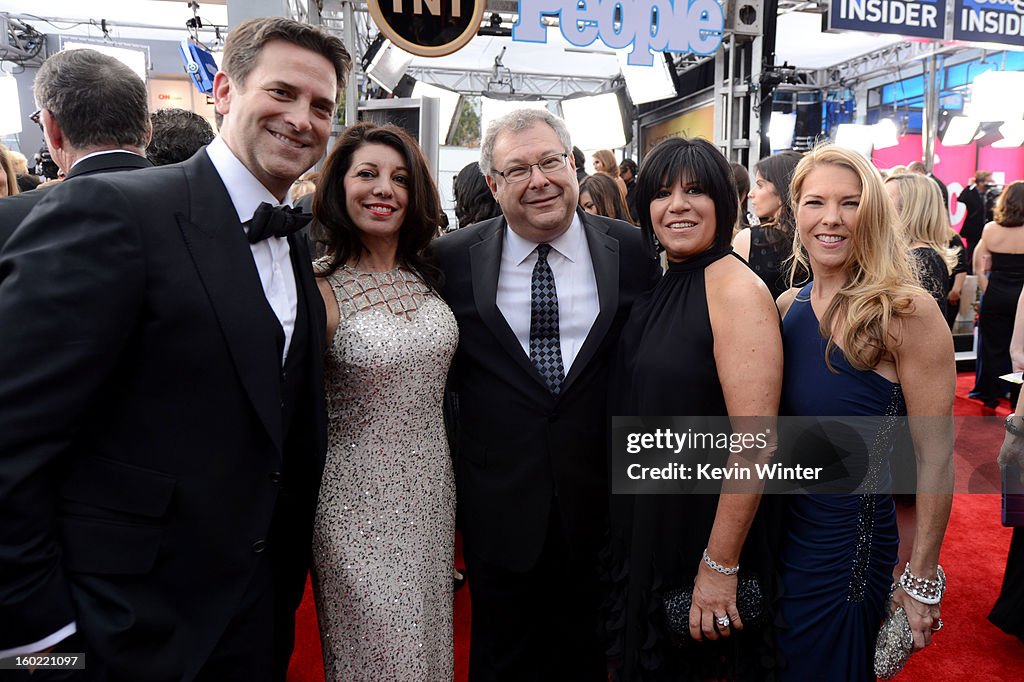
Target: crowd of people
x=208, y=393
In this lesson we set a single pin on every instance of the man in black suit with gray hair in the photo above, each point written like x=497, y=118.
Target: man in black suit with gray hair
x=540, y=293
x=94, y=113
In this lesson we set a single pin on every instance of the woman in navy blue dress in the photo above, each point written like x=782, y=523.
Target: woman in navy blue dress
x=863, y=339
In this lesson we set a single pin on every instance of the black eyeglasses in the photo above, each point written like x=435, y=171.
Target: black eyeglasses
x=547, y=165
x=35, y=118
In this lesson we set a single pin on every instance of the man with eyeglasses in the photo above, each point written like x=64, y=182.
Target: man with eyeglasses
x=540, y=293
x=94, y=114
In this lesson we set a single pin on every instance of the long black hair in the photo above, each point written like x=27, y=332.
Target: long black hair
x=422, y=215
x=778, y=170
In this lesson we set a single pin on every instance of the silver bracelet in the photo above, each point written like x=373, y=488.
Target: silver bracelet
x=924, y=590
x=719, y=568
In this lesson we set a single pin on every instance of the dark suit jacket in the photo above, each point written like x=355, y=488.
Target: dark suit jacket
x=146, y=472
x=975, y=220
x=13, y=210
x=518, y=446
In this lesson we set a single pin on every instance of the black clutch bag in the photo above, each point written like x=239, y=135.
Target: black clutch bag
x=750, y=602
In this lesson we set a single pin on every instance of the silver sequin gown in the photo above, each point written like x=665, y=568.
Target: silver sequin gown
x=384, y=535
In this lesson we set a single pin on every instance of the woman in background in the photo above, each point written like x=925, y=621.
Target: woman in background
x=862, y=340
x=8, y=176
x=383, y=545
x=768, y=246
x=474, y=202
x=999, y=266
x=742, y=178
x=926, y=223
x=604, y=162
x=599, y=195
x=703, y=344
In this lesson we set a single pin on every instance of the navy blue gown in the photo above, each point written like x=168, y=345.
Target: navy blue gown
x=839, y=550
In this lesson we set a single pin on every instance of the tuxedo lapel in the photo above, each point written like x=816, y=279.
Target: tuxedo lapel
x=604, y=252
x=485, y=265
x=224, y=261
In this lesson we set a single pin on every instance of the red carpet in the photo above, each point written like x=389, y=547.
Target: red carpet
x=973, y=554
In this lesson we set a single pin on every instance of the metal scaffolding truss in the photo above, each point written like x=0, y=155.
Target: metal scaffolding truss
x=543, y=85
x=486, y=78
x=889, y=59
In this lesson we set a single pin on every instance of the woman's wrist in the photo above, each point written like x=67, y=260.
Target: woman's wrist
x=723, y=569
x=927, y=587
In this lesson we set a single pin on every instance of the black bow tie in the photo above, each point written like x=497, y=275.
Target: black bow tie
x=276, y=221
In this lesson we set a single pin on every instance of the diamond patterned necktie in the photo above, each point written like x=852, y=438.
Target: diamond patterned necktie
x=545, y=345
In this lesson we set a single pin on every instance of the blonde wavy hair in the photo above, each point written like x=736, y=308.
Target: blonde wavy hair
x=881, y=282
x=924, y=217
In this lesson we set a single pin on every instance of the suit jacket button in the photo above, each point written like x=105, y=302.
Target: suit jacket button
x=259, y=546
x=275, y=476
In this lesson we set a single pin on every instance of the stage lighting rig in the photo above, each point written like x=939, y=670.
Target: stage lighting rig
x=494, y=27
x=19, y=42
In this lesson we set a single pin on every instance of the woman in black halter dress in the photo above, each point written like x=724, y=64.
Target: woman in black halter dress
x=705, y=342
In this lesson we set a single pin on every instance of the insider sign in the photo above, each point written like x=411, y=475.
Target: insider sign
x=920, y=18
x=428, y=28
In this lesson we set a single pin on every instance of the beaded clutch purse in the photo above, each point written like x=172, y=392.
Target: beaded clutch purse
x=750, y=603
x=895, y=643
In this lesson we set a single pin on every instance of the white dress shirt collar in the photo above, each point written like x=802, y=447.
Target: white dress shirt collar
x=569, y=243
x=246, y=192
x=101, y=153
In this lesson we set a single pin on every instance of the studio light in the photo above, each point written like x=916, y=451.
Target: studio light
x=960, y=131
x=387, y=65
x=885, y=134
x=857, y=137
x=10, y=105
x=781, y=128
x=1013, y=134
x=997, y=96
x=595, y=121
x=492, y=108
x=647, y=83
x=135, y=60
x=449, y=106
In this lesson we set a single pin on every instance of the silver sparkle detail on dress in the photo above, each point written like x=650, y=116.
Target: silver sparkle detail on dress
x=384, y=535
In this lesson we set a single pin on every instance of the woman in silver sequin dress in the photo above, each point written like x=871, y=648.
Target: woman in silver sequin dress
x=384, y=537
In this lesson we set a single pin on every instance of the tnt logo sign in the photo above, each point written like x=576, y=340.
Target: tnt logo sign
x=428, y=28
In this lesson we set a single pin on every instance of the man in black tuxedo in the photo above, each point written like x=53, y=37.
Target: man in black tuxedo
x=162, y=423
x=94, y=112
x=540, y=294
x=973, y=197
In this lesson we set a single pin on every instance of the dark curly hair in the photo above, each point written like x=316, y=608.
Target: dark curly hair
x=422, y=215
x=177, y=135
x=473, y=199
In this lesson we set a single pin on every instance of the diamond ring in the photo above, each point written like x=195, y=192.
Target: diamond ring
x=724, y=621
